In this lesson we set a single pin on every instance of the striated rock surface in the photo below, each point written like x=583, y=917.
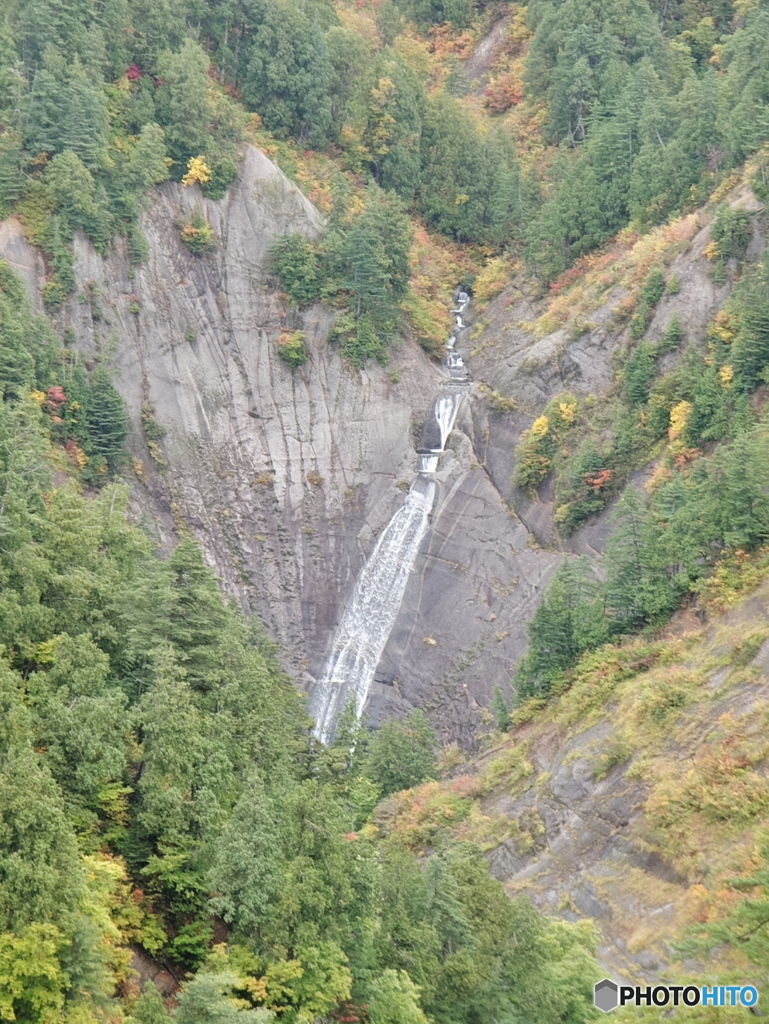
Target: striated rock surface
x=287, y=476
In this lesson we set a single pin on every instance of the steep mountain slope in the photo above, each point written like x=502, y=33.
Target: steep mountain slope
x=287, y=476
x=635, y=797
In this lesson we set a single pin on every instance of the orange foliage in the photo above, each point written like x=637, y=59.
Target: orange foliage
x=504, y=92
x=417, y=815
x=445, y=42
x=598, y=480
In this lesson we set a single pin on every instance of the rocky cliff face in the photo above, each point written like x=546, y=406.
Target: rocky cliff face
x=287, y=476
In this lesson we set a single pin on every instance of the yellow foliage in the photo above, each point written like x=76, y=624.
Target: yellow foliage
x=726, y=373
x=711, y=251
x=679, y=416
x=540, y=426
x=491, y=280
x=198, y=171
x=724, y=327
x=567, y=410
x=39, y=396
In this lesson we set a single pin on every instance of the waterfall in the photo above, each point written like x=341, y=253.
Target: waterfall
x=446, y=409
x=370, y=613
x=371, y=609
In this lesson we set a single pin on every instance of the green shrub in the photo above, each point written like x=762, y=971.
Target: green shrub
x=296, y=261
x=292, y=349
x=731, y=232
x=223, y=173
x=198, y=235
x=53, y=296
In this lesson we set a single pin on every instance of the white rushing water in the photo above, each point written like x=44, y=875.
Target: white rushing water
x=371, y=610
x=370, y=613
x=445, y=412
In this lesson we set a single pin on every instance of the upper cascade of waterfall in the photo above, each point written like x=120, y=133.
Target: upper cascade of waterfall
x=371, y=609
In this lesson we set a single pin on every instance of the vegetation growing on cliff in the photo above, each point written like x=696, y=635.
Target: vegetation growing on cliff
x=159, y=787
x=590, y=117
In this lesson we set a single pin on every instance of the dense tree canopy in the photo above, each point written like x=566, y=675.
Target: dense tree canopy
x=158, y=777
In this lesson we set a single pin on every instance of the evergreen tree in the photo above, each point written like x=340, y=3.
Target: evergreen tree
x=41, y=877
x=46, y=112
x=107, y=419
x=174, y=748
x=196, y=614
x=394, y=131
x=570, y=620
x=149, y=1008
x=247, y=871
x=639, y=373
x=290, y=73
x=83, y=129
x=74, y=189
x=401, y=754
x=183, y=102
x=750, y=350
x=500, y=710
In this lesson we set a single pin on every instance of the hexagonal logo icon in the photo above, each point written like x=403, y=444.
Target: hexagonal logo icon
x=605, y=995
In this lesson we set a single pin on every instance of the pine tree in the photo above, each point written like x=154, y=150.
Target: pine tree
x=149, y=1008
x=196, y=613
x=639, y=587
x=394, y=131
x=290, y=73
x=85, y=123
x=247, y=870
x=639, y=373
x=401, y=754
x=46, y=112
x=750, y=349
x=107, y=419
x=183, y=102
x=500, y=710
x=41, y=875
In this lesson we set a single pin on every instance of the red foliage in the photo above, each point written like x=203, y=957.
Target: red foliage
x=503, y=93
x=465, y=786
x=56, y=396
x=598, y=479
x=351, y=837
x=133, y=74
x=592, y=261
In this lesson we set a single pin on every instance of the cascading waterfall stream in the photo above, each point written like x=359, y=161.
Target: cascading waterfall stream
x=373, y=606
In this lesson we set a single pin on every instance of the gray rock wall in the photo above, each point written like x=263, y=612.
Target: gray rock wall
x=287, y=476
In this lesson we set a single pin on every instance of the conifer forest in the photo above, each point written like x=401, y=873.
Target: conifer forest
x=384, y=509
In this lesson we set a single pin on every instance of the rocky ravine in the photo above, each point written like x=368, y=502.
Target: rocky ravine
x=286, y=477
